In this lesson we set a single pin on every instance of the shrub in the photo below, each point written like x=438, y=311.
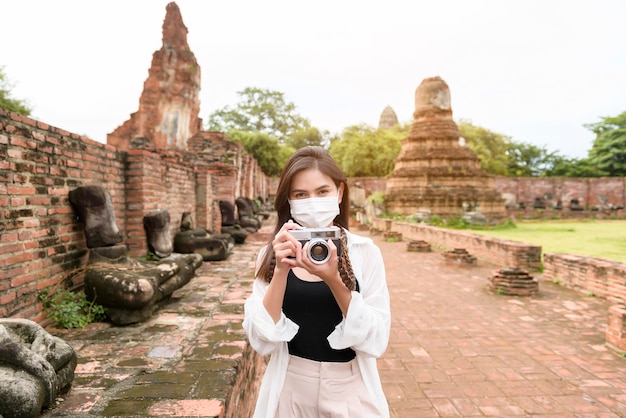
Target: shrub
x=71, y=310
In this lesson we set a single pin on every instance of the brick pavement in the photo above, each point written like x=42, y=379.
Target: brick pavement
x=458, y=350
x=455, y=348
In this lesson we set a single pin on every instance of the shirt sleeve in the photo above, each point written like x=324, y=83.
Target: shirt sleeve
x=367, y=324
x=264, y=335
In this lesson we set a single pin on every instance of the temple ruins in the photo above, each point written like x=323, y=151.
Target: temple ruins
x=170, y=102
x=434, y=172
x=388, y=118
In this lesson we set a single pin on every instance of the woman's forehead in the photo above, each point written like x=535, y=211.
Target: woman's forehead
x=311, y=178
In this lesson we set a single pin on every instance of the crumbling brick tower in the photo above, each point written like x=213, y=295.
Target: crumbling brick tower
x=434, y=172
x=170, y=101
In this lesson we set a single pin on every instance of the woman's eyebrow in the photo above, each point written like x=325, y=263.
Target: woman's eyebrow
x=325, y=186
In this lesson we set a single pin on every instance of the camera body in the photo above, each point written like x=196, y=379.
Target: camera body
x=318, y=250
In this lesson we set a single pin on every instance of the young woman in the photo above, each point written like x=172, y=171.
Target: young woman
x=324, y=324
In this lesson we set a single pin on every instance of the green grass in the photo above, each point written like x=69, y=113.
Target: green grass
x=601, y=239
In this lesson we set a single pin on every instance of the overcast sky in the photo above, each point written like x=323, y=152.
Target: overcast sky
x=533, y=70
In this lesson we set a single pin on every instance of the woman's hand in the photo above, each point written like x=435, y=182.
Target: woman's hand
x=328, y=271
x=286, y=246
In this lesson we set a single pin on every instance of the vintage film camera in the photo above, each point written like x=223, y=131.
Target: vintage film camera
x=318, y=250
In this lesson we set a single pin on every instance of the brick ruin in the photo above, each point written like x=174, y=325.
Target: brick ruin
x=433, y=171
x=170, y=101
x=150, y=167
x=158, y=159
x=388, y=118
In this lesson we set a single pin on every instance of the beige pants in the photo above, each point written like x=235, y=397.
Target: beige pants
x=316, y=389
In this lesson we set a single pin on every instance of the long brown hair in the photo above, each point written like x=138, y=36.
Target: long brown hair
x=304, y=159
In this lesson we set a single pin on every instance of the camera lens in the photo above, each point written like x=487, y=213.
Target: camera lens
x=318, y=251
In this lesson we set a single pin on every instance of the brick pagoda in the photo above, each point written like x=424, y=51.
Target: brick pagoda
x=433, y=171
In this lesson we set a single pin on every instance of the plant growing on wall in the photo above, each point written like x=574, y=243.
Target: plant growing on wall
x=68, y=309
x=71, y=310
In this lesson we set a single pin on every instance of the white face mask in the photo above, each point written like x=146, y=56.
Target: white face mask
x=315, y=212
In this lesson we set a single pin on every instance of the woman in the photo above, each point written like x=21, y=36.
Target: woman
x=324, y=324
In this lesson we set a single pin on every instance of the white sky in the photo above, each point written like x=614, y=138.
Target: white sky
x=535, y=70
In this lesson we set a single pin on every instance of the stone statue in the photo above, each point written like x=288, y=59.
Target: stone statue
x=230, y=225
x=247, y=218
x=94, y=209
x=35, y=367
x=157, y=227
x=128, y=289
x=212, y=247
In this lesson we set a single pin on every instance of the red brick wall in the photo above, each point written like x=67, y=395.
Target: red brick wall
x=616, y=329
x=40, y=239
x=588, y=191
x=597, y=277
x=491, y=250
x=600, y=277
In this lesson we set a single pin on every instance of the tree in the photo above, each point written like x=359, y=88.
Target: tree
x=306, y=137
x=560, y=166
x=270, y=156
x=609, y=148
x=9, y=103
x=260, y=110
x=527, y=160
x=363, y=151
x=490, y=147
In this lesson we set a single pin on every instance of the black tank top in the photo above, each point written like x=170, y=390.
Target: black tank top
x=313, y=307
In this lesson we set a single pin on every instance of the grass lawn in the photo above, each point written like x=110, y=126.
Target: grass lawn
x=601, y=239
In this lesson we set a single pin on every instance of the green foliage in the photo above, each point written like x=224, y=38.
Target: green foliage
x=527, y=160
x=457, y=223
x=149, y=257
x=500, y=155
x=490, y=147
x=609, y=148
x=363, y=151
x=270, y=156
x=376, y=198
x=260, y=110
x=435, y=220
x=9, y=103
x=572, y=167
x=602, y=239
x=310, y=136
x=70, y=310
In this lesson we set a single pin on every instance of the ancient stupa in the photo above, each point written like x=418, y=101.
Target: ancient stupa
x=434, y=172
x=170, y=102
x=388, y=118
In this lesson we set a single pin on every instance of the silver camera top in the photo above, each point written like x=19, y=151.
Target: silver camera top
x=332, y=232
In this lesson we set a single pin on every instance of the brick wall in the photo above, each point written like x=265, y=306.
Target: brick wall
x=588, y=275
x=41, y=241
x=597, y=277
x=588, y=191
x=592, y=276
x=491, y=250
